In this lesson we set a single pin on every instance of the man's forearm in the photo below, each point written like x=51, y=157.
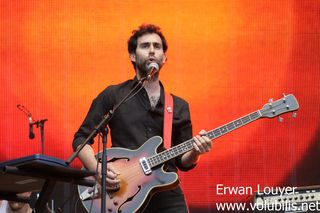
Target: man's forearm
x=87, y=158
x=190, y=158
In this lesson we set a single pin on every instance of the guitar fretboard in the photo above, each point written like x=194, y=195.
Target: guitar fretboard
x=186, y=146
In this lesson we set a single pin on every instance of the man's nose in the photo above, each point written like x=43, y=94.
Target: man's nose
x=151, y=49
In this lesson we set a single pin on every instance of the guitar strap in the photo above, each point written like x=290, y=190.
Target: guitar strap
x=167, y=124
x=167, y=120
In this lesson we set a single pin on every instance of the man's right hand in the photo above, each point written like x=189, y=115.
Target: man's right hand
x=112, y=182
x=88, y=159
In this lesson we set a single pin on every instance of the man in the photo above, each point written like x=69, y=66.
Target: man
x=141, y=117
x=16, y=207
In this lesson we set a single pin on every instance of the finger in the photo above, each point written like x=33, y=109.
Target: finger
x=112, y=181
x=195, y=144
x=208, y=141
x=113, y=188
x=204, y=135
x=203, y=132
x=198, y=143
x=205, y=143
x=111, y=175
x=112, y=184
x=111, y=168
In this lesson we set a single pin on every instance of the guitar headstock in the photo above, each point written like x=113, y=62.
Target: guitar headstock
x=286, y=104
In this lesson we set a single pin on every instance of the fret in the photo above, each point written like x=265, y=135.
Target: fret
x=171, y=153
x=230, y=126
x=254, y=115
x=155, y=160
x=184, y=147
x=151, y=160
x=165, y=156
x=188, y=145
x=177, y=151
x=223, y=129
x=168, y=153
x=210, y=135
x=160, y=157
x=217, y=132
x=238, y=123
x=245, y=119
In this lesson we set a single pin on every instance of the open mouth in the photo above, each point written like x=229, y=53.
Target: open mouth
x=151, y=59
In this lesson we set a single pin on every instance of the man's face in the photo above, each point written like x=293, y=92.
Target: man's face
x=15, y=206
x=149, y=49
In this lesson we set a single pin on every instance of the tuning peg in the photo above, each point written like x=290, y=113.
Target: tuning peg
x=284, y=98
x=294, y=114
x=270, y=102
x=280, y=119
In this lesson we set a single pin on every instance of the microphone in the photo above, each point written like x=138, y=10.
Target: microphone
x=28, y=113
x=153, y=68
x=31, y=134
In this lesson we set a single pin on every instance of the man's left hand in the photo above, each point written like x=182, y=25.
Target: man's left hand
x=202, y=143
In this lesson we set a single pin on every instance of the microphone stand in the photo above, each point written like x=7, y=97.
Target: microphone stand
x=40, y=123
x=101, y=127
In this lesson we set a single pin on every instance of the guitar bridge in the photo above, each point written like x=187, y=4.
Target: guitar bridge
x=89, y=193
x=145, y=165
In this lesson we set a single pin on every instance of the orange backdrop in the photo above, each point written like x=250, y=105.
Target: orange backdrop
x=226, y=58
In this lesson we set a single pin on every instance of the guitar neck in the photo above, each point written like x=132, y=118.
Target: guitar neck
x=186, y=146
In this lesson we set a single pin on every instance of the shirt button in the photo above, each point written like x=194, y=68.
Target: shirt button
x=149, y=129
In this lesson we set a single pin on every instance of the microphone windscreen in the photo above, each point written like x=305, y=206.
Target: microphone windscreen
x=153, y=65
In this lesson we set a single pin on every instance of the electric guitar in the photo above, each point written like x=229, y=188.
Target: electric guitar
x=142, y=171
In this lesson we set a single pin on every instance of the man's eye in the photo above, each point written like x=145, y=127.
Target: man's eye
x=157, y=46
x=144, y=45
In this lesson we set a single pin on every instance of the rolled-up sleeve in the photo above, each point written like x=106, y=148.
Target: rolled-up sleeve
x=98, y=109
x=182, y=129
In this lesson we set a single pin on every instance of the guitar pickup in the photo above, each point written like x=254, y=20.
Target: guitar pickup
x=145, y=166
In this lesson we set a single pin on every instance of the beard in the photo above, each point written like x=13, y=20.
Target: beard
x=142, y=68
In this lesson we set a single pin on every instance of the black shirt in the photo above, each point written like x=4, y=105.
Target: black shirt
x=135, y=121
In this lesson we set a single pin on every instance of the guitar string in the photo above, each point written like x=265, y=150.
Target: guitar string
x=185, y=143
x=129, y=169
x=273, y=106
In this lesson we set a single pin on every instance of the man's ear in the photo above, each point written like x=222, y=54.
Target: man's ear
x=164, y=59
x=132, y=57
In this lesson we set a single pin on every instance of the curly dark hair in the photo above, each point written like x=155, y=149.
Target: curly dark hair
x=142, y=30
